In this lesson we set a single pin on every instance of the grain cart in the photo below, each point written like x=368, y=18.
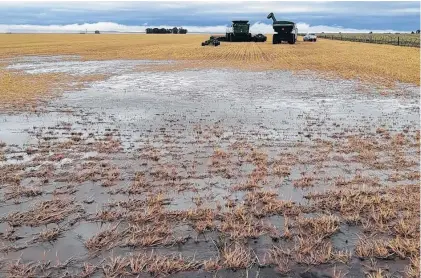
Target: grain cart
x=239, y=32
x=285, y=30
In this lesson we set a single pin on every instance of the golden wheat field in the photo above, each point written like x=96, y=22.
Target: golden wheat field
x=381, y=64
x=345, y=58
x=377, y=63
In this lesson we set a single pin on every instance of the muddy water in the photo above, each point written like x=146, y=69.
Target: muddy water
x=277, y=112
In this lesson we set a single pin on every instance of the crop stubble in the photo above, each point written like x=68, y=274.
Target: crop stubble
x=381, y=64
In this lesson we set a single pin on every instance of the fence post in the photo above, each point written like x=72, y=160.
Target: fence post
x=398, y=40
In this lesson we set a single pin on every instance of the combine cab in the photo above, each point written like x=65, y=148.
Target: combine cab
x=285, y=30
x=239, y=32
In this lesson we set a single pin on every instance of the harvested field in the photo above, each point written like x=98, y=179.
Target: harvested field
x=147, y=167
x=408, y=40
x=380, y=64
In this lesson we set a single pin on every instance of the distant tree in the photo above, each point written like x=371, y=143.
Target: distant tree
x=96, y=31
x=371, y=32
x=418, y=31
x=412, y=32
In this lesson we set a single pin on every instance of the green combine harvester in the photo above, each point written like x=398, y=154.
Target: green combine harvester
x=239, y=32
x=285, y=30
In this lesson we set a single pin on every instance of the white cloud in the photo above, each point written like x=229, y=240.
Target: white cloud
x=257, y=27
x=405, y=11
x=102, y=26
x=306, y=28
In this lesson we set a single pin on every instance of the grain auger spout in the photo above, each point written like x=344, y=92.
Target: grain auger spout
x=285, y=30
x=271, y=15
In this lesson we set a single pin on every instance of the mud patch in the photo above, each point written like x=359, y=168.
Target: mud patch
x=212, y=171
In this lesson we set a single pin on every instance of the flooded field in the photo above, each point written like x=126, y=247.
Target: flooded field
x=210, y=173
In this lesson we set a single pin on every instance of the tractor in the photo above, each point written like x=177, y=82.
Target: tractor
x=259, y=38
x=285, y=30
x=212, y=41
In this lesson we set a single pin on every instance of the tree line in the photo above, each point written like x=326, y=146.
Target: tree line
x=174, y=30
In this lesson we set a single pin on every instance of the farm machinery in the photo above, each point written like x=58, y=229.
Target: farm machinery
x=285, y=30
x=239, y=32
x=212, y=41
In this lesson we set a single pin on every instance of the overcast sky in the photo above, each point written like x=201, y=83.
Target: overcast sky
x=208, y=16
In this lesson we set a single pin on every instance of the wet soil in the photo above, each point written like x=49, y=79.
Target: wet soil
x=174, y=150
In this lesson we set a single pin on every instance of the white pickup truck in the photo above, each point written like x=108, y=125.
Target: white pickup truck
x=310, y=37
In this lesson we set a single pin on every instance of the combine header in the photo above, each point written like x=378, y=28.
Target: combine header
x=285, y=30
